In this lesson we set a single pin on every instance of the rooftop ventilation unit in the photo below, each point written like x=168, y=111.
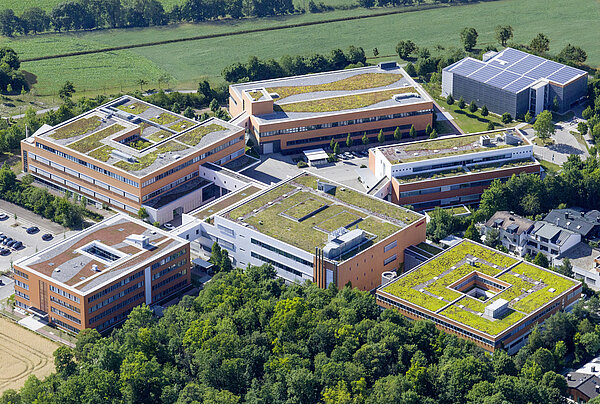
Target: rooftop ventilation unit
x=495, y=309
x=337, y=245
x=387, y=277
x=404, y=96
x=485, y=140
x=139, y=240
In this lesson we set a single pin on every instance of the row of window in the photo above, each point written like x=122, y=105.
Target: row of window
x=22, y=295
x=116, y=297
x=463, y=162
x=391, y=245
x=435, y=320
x=88, y=165
x=64, y=304
x=169, y=269
x=169, y=279
x=81, y=189
x=281, y=252
x=84, y=177
x=64, y=294
x=275, y=264
x=343, y=136
x=116, y=307
x=192, y=161
x=435, y=190
x=21, y=284
x=64, y=325
x=345, y=123
x=170, y=186
x=169, y=290
x=170, y=258
x=21, y=274
x=114, y=320
x=115, y=286
x=65, y=315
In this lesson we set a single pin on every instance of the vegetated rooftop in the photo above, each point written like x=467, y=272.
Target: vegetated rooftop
x=344, y=102
x=75, y=261
x=296, y=213
x=225, y=201
x=451, y=145
x=136, y=136
x=429, y=286
x=477, y=168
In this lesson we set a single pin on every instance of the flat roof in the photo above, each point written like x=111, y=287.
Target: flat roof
x=100, y=253
x=334, y=92
x=295, y=212
x=104, y=134
x=224, y=202
x=525, y=286
x=513, y=70
x=452, y=146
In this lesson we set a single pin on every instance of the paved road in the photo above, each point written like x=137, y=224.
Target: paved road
x=564, y=145
x=39, y=112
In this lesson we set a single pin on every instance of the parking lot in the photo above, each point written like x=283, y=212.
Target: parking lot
x=16, y=229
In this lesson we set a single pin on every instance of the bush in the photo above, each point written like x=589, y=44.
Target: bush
x=506, y=118
x=302, y=164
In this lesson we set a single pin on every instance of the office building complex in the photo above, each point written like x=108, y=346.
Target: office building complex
x=309, y=228
x=450, y=170
x=515, y=82
x=128, y=154
x=96, y=277
x=304, y=112
x=481, y=295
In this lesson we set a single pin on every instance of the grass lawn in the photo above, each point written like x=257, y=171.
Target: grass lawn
x=580, y=139
x=165, y=118
x=549, y=166
x=189, y=62
x=136, y=108
x=102, y=153
x=181, y=126
x=156, y=136
x=467, y=121
x=444, y=127
x=543, y=142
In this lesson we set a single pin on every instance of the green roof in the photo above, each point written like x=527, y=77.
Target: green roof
x=428, y=286
x=344, y=102
x=297, y=214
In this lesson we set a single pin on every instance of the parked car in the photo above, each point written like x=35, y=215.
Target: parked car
x=17, y=245
x=168, y=226
x=7, y=240
x=47, y=237
x=32, y=230
x=3, y=216
x=4, y=251
x=11, y=243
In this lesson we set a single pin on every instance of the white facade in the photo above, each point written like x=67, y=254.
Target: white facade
x=385, y=168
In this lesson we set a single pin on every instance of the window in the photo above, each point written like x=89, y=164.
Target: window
x=65, y=315
x=388, y=247
x=22, y=295
x=21, y=284
x=389, y=260
x=64, y=294
x=21, y=274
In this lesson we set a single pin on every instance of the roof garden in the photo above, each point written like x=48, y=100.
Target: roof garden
x=345, y=102
x=357, y=82
x=225, y=202
x=136, y=136
x=297, y=214
x=452, y=145
x=473, y=169
x=432, y=286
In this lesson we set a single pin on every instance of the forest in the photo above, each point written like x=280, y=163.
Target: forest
x=248, y=337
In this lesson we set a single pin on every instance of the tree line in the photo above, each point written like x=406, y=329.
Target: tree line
x=256, y=69
x=11, y=78
x=248, y=337
x=91, y=14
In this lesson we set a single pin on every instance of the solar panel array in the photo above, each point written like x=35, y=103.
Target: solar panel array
x=514, y=70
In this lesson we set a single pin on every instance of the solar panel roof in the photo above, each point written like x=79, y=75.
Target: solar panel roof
x=514, y=70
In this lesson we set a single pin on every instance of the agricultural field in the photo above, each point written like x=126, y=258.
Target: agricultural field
x=23, y=353
x=185, y=63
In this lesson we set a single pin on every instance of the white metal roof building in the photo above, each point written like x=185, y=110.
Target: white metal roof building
x=514, y=81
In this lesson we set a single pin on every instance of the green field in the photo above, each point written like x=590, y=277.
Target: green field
x=18, y=6
x=188, y=62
